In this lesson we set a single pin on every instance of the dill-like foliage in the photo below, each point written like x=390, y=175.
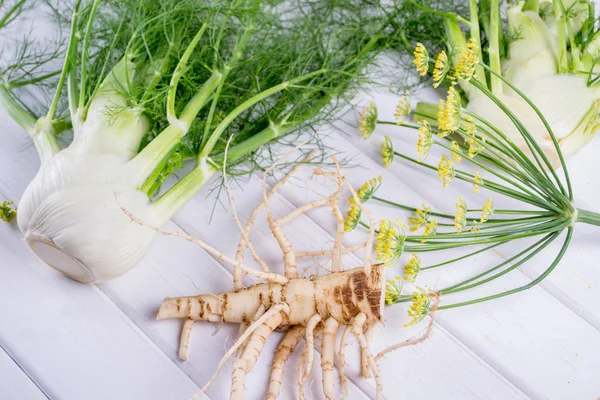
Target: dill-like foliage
x=321, y=47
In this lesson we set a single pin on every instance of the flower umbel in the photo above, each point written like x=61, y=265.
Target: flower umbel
x=367, y=190
x=411, y=270
x=455, y=151
x=419, y=309
x=441, y=69
x=421, y=60
x=477, y=182
x=353, y=216
x=460, y=219
x=390, y=242
x=430, y=229
x=393, y=290
x=449, y=113
x=402, y=109
x=368, y=120
x=446, y=170
x=420, y=219
x=467, y=61
x=487, y=211
x=425, y=140
x=387, y=152
x=7, y=211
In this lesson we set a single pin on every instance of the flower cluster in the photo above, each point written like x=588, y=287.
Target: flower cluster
x=420, y=308
x=364, y=194
x=421, y=60
x=477, y=182
x=425, y=140
x=393, y=290
x=390, y=241
x=441, y=69
x=487, y=211
x=446, y=170
x=430, y=229
x=420, y=219
x=402, y=109
x=7, y=211
x=467, y=61
x=387, y=152
x=411, y=270
x=449, y=113
x=368, y=120
x=455, y=151
x=460, y=219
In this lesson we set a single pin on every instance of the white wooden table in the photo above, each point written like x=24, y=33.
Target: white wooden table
x=63, y=340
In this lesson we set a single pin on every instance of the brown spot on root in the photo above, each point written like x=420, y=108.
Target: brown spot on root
x=201, y=310
x=359, y=281
x=178, y=305
x=225, y=299
x=189, y=308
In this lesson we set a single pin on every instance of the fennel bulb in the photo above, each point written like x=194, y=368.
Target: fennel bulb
x=549, y=52
x=147, y=86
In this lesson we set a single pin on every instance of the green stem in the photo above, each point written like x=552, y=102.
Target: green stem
x=85, y=54
x=524, y=287
x=561, y=40
x=588, y=217
x=476, y=34
x=32, y=81
x=214, y=137
x=494, y=47
x=441, y=13
x=150, y=157
x=179, y=70
x=10, y=15
x=176, y=197
x=66, y=66
x=16, y=111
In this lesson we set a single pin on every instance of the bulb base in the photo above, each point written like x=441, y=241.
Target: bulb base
x=59, y=259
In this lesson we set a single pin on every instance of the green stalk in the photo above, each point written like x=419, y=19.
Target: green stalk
x=176, y=197
x=85, y=55
x=43, y=139
x=66, y=65
x=150, y=157
x=554, y=141
x=463, y=257
x=588, y=217
x=494, y=47
x=521, y=288
x=178, y=73
x=476, y=34
x=210, y=144
x=534, y=249
x=11, y=13
x=561, y=41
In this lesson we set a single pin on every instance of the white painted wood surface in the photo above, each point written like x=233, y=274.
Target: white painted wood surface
x=63, y=340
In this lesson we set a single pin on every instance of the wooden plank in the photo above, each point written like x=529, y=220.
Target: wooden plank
x=68, y=337
x=15, y=384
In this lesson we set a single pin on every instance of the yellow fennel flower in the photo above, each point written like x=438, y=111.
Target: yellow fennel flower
x=430, y=229
x=487, y=211
x=368, y=120
x=421, y=60
x=467, y=61
x=419, y=308
x=390, y=242
x=446, y=170
x=393, y=290
x=477, y=182
x=460, y=219
x=387, y=152
x=411, y=270
x=402, y=109
x=441, y=69
x=425, y=140
x=455, y=151
x=420, y=218
x=449, y=113
x=353, y=216
x=369, y=188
